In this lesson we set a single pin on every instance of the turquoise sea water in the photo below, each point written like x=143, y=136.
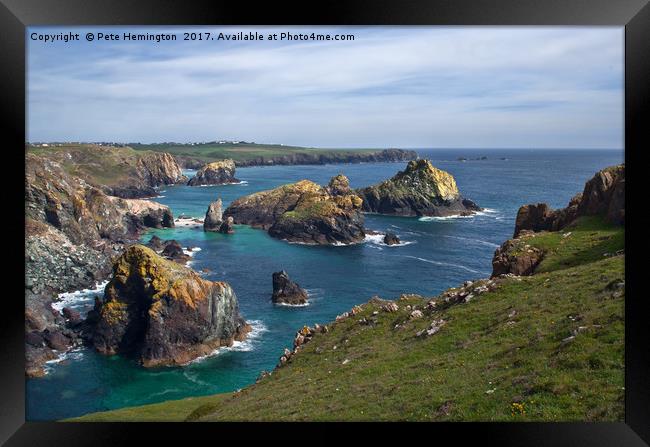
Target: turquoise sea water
x=435, y=254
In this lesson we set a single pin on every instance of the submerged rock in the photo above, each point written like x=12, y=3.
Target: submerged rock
x=216, y=173
x=286, y=291
x=419, y=190
x=163, y=313
x=304, y=212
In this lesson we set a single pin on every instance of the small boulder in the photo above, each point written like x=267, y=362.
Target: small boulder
x=286, y=291
x=391, y=239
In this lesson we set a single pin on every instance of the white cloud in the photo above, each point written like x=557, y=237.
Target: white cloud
x=408, y=87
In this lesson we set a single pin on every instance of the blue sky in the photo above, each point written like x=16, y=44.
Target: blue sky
x=452, y=87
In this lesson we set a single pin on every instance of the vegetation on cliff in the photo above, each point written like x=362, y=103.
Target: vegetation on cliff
x=162, y=312
x=533, y=348
x=255, y=154
x=118, y=171
x=304, y=212
x=419, y=190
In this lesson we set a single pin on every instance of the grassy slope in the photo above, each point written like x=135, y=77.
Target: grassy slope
x=100, y=164
x=239, y=152
x=500, y=357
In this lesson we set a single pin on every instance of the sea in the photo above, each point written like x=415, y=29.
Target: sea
x=434, y=254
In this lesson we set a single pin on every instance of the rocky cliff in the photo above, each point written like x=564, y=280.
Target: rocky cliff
x=163, y=313
x=419, y=190
x=214, y=220
x=310, y=157
x=304, y=212
x=220, y=172
x=286, y=291
x=73, y=231
x=117, y=171
x=603, y=194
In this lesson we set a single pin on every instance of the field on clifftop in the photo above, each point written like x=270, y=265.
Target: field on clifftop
x=548, y=347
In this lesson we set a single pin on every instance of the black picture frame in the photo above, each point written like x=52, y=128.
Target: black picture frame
x=16, y=15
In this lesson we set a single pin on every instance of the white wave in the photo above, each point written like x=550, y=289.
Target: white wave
x=430, y=261
x=187, y=222
x=243, y=182
x=478, y=241
x=257, y=329
x=73, y=354
x=484, y=212
x=378, y=239
x=192, y=251
x=292, y=305
x=77, y=297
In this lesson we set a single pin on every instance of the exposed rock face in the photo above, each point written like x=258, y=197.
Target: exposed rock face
x=516, y=257
x=73, y=231
x=118, y=171
x=286, y=291
x=604, y=194
x=306, y=158
x=162, y=313
x=391, y=239
x=214, y=220
x=420, y=190
x=216, y=173
x=304, y=212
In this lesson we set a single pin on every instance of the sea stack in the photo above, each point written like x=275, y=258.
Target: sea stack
x=220, y=172
x=304, y=212
x=419, y=190
x=163, y=313
x=286, y=291
x=214, y=220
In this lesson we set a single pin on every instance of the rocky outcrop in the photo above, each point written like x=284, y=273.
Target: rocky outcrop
x=220, y=172
x=304, y=212
x=391, y=239
x=420, y=190
x=517, y=257
x=169, y=249
x=214, y=220
x=117, y=171
x=286, y=291
x=315, y=158
x=162, y=313
x=603, y=194
x=73, y=231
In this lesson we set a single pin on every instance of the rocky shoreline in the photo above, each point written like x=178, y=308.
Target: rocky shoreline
x=386, y=155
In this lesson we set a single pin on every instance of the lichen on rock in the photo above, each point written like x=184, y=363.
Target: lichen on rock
x=304, y=212
x=163, y=313
x=216, y=173
x=419, y=190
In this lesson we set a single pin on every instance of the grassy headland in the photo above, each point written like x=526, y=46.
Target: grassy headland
x=546, y=347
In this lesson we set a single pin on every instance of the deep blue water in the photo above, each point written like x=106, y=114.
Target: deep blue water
x=437, y=254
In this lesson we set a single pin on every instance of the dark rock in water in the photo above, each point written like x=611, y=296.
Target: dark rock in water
x=304, y=212
x=215, y=173
x=72, y=316
x=391, y=239
x=34, y=339
x=56, y=340
x=516, y=257
x=286, y=291
x=227, y=226
x=420, y=190
x=155, y=243
x=213, y=216
x=163, y=313
x=603, y=194
x=174, y=251
x=461, y=159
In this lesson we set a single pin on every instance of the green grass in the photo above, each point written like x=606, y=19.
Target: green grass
x=240, y=152
x=102, y=165
x=499, y=357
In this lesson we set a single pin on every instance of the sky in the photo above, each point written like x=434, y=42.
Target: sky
x=410, y=87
